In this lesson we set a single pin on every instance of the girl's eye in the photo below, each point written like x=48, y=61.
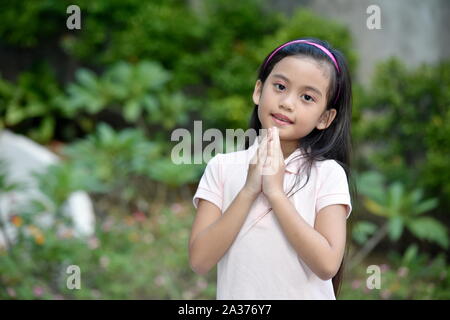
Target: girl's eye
x=278, y=84
x=308, y=98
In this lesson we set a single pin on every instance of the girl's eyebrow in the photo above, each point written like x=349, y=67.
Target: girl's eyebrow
x=278, y=75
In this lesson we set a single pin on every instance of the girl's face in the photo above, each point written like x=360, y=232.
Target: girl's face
x=296, y=88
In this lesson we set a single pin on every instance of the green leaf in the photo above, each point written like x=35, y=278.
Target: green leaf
x=371, y=184
x=105, y=133
x=86, y=78
x=425, y=206
x=410, y=254
x=362, y=231
x=395, y=192
x=14, y=115
x=415, y=196
x=150, y=104
x=395, y=228
x=429, y=229
x=47, y=128
x=132, y=110
x=375, y=208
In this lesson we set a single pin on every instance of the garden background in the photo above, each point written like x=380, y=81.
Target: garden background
x=106, y=99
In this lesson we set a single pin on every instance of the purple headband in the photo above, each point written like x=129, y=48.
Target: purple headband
x=325, y=50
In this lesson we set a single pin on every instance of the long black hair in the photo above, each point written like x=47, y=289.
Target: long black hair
x=333, y=142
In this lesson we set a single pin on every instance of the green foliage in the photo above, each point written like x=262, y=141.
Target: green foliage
x=436, y=172
x=153, y=64
x=402, y=208
x=118, y=157
x=20, y=21
x=140, y=94
x=411, y=275
x=218, y=72
x=113, y=156
x=165, y=171
x=136, y=90
x=411, y=108
x=132, y=257
x=134, y=30
x=32, y=103
x=58, y=181
x=362, y=231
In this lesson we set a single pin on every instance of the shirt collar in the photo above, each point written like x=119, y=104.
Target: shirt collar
x=291, y=165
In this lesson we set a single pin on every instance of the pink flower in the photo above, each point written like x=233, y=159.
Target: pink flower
x=356, y=284
x=38, y=291
x=403, y=272
x=93, y=243
x=176, y=208
x=384, y=267
x=139, y=216
x=202, y=284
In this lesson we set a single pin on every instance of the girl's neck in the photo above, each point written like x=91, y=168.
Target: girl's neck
x=288, y=146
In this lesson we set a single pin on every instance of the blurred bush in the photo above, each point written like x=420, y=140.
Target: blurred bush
x=139, y=69
x=217, y=73
x=404, y=276
x=144, y=251
x=400, y=210
x=32, y=104
x=411, y=107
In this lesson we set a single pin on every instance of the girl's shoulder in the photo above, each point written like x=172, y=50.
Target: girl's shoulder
x=329, y=167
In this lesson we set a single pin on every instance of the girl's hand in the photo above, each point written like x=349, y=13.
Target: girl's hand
x=274, y=168
x=253, y=184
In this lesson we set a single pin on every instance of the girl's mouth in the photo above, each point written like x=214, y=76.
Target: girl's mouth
x=282, y=122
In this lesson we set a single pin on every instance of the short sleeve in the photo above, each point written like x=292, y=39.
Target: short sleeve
x=210, y=186
x=333, y=187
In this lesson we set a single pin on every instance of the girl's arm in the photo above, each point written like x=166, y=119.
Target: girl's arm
x=213, y=233
x=321, y=247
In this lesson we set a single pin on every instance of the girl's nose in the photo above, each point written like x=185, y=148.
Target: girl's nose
x=287, y=102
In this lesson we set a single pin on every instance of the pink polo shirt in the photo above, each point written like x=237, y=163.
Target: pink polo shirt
x=261, y=263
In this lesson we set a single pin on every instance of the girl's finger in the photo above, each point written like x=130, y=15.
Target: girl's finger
x=277, y=147
x=261, y=147
x=268, y=161
x=263, y=154
x=257, y=155
x=270, y=148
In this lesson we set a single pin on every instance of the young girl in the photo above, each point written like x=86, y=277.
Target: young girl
x=269, y=240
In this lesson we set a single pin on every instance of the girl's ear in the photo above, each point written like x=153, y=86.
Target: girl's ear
x=326, y=119
x=257, y=91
